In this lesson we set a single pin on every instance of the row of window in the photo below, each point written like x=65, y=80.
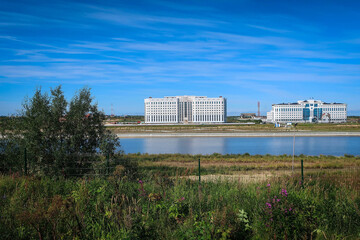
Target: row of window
x=209, y=102
x=174, y=103
x=286, y=109
x=175, y=110
x=161, y=118
x=208, y=118
x=307, y=120
x=160, y=108
x=173, y=118
x=161, y=104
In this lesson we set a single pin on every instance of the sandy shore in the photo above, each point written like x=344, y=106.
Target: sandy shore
x=248, y=134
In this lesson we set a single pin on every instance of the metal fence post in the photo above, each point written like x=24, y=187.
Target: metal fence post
x=199, y=172
x=302, y=172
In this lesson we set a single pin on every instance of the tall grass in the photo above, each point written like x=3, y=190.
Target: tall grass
x=324, y=206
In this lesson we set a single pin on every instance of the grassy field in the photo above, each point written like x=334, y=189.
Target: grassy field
x=238, y=165
x=159, y=196
x=326, y=205
x=224, y=128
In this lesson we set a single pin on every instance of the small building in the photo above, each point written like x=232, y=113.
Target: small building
x=247, y=115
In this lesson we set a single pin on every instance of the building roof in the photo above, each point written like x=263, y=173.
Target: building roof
x=306, y=101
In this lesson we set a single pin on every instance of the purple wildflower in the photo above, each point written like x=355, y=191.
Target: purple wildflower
x=284, y=192
x=268, y=205
x=290, y=209
x=278, y=200
x=268, y=185
x=141, y=189
x=181, y=199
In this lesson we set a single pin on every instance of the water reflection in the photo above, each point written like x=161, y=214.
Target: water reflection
x=273, y=145
x=184, y=145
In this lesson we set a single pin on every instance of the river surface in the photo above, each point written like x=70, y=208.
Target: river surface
x=336, y=146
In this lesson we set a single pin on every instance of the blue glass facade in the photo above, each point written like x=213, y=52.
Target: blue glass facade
x=306, y=114
x=318, y=113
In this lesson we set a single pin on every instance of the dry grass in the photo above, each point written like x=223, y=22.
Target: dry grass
x=244, y=168
x=343, y=177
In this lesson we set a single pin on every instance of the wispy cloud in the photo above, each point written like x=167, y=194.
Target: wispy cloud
x=145, y=20
x=318, y=54
x=268, y=28
x=280, y=42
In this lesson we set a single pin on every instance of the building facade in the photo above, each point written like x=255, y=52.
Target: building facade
x=308, y=111
x=185, y=109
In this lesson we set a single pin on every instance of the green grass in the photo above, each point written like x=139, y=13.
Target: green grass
x=180, y=164
x=325, y=206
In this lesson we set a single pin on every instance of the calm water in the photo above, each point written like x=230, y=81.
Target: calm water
x=336, y=146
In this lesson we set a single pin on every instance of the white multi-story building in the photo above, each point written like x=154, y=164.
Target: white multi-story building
x=308, y=111
x=185, y=109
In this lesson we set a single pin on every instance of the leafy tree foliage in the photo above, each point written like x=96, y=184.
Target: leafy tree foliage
x=61, y=138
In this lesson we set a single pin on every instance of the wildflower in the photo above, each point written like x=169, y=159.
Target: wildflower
x=268, y=205
x=141, y=189
x=290, y=209
x=278, y=200
x=268, y=185
x=271, y=219
x=284, y=192
x=181, y=199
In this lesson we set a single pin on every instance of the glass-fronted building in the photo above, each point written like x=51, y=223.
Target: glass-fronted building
x=308, y=111
x=185, y=109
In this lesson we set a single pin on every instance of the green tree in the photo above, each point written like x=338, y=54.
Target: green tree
x=62, y=138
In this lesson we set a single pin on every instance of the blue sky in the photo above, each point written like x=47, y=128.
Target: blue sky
x=125, y=51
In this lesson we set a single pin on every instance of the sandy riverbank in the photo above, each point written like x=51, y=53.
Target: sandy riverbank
x=237, y=134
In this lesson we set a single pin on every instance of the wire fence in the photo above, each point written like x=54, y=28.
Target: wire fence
x=66, y=165
x=103, y=165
